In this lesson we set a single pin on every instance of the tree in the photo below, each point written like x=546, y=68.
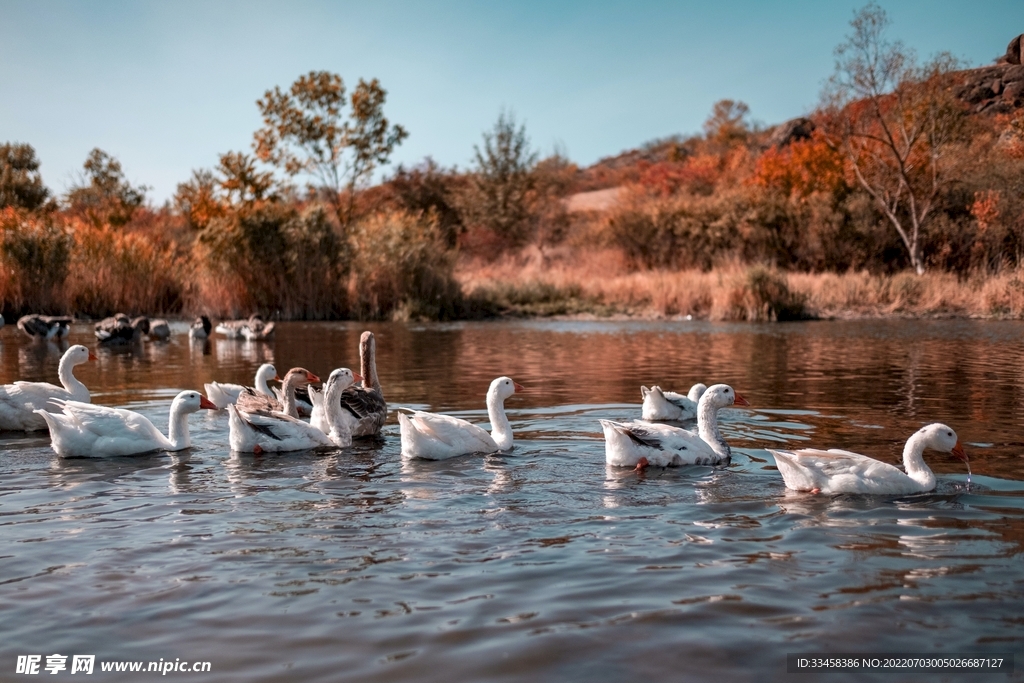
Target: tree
x=728, y=122
x=895, y=122
x=104, y=194
x=20, y=183
x=241, y=180
x=307, y=131
x=499, y=189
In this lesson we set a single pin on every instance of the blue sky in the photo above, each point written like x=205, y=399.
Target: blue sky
x=167, y=86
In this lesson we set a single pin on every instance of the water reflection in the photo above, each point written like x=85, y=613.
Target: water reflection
x=545, y=554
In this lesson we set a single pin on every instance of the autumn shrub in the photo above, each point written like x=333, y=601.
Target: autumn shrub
x=401, y=268
x=35, y=253
x=112, y=270
x=763, y=295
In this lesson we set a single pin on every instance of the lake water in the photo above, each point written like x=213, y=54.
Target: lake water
x=541, y=564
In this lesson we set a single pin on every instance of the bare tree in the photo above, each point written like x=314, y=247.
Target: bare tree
x=896, y=122
x=306, y=130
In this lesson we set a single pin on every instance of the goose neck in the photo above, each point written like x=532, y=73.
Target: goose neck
x=501, y=430
x=368, y=365
x=707, y=428
x=177, y=430
x=913, y=461
x=66, y=373
x=340, y=434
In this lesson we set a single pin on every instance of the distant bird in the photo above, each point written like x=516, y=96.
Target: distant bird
x=90, y=431
x=120, y=330
x=433, y=436
x=660, y=406
x=253, y=329
x=200, y=328
x=836, y=471
x=44, y=326
x=159, y=330
x=20, y=401
x=639, y=444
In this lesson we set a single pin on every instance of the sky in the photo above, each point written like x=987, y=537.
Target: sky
x=166, y=87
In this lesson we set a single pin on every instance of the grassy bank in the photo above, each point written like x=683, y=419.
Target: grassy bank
x=534, y=283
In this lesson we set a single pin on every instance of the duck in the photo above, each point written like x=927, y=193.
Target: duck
x=365, y=409
x=253, y=329
x=84, y=430
x=159, y=329
x=251, y=401
x=200, y=328
x=274, y=432
x=19, y=402
x=120, y=330
x=839, y=471
x=668, y=406
x=223, y=393
x=640, y=444
x=38, y=326
x=431, y=436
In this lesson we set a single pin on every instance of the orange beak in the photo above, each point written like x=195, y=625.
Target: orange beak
x=93, y=356
x=959, y=452
x=740, y=401
x=311, y=377
x=357, y=377
x=277, y=378
x=517, y=386
x=206, y=403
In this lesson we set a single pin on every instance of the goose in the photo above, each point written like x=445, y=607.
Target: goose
x=253, y=329
x=20, y=401
x=639, y=444
x=250, y=401
x=44, y=326
x=273, y=432
x=84, y=430
x=432, y=436
x=200, y=328
x=661, y=406
x=223, y=393
x=159, y=330
x=365, y=409
x=837, y=471
x=120, y=330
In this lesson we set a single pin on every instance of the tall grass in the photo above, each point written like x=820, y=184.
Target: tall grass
x=35, y=252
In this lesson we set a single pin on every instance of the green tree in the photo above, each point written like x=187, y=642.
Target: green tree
x=499, y=189
x=242, y=181
x=104, y=194
x=20, y=183
x=307, y=130
x=896, y=122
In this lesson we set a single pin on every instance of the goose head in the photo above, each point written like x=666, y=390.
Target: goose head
x=503, y=387
x=267, y=372
x=721, y=396
x=79, y=354
x=300, y=377
x=191, y=402
x=696, y=391
x=341, y=379
x=943, y=439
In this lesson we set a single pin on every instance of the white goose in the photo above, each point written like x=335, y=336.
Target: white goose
x=274, y=432
x=364, y=407
x=432, y=436
x=661, y=406
x=20, y=401
x=639, y=444
x=223, y=393
x=837, y=471
x=84, y=430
